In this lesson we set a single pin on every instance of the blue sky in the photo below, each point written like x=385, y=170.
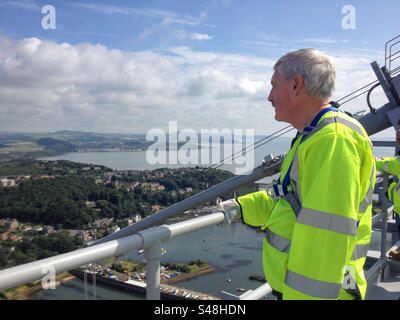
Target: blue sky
x=231, y=25
x=130, y=66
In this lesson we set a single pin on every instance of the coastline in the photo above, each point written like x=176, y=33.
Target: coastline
x=188, y=276
x=167, y=291
x=25, y=292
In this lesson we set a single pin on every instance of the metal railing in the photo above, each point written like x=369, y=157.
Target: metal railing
x=382, y=217
x=382, y=263
x=389, y=56
x=150, y=240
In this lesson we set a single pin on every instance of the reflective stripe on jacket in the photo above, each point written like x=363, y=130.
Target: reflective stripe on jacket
x=321, y=252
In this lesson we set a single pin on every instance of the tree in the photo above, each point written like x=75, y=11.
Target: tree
x=101, y=203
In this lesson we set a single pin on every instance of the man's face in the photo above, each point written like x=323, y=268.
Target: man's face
x=280, y=97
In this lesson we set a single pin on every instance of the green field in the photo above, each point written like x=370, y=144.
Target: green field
x=21, y=147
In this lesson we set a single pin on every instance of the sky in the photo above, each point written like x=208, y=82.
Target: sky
x=132, y=66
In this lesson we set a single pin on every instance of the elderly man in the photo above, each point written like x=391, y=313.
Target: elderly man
x=317, y=220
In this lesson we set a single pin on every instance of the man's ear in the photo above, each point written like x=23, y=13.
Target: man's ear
x=298, y=84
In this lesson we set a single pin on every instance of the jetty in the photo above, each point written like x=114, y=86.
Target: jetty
x=167, y=292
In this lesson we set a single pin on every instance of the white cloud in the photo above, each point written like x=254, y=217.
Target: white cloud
x=25, y=5
x=46, y=85
x=200, y=36
x=223, y=3
x=167, y=17
x=110, y=9
x=318, y=40
x=91, y=87
x=158, y=22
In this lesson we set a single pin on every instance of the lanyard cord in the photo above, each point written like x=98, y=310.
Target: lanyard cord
x=286, y=179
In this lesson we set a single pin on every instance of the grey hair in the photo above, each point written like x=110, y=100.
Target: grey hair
x=316, y=68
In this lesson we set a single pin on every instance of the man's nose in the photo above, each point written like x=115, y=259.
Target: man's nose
x=269, y=97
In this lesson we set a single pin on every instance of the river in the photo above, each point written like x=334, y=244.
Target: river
x=234, y=250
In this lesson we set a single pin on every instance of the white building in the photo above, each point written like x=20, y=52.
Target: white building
x=7, y=182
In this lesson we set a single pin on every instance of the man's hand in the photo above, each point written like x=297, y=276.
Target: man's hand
x=231, y=210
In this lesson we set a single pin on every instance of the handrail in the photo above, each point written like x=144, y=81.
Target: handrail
x=33, y=271
x=387, y=58
x=255, y=294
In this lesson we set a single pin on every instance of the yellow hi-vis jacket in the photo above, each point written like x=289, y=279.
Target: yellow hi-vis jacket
x=320, y=253
x=392, y=166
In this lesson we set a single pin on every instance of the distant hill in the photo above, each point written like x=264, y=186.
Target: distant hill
x=56, y=145
x=72, y=132
x=44, y=144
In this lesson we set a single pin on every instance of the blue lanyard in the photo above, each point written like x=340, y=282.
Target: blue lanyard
x=286, y=179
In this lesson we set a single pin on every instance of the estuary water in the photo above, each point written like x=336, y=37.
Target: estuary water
x=234, y=250
x=244, y=163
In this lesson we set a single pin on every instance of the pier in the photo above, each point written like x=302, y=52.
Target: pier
x=167, y=292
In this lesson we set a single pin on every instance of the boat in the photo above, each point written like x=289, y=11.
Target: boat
x=257, y=278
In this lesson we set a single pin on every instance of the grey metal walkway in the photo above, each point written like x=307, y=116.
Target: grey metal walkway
x=387, y=289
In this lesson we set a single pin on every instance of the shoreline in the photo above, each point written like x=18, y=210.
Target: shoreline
x=169, y=286
x=167, y=291
x=24, y=292
x=191, y=275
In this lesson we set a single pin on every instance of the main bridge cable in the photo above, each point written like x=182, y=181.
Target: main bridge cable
x=238, y=153
x=274, y=136
x=374, y=84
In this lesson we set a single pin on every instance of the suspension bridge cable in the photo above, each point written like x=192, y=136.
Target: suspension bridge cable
x=350, y=94
x=255, y=147
x=221, y=162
